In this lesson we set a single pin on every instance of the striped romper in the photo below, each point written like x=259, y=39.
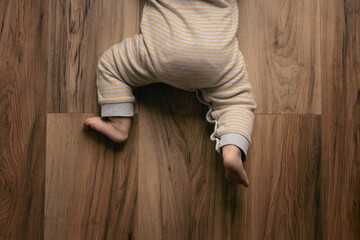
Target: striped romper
x=191, y=45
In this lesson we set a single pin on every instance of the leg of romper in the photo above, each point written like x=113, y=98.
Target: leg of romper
x=232, y=107
x=121, y=69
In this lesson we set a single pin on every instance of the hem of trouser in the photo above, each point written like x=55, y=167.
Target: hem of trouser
x=236, y=139
x=125, y=109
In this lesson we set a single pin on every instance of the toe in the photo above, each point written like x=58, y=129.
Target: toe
x=244, y=178
x=246, y=183
x=87, y=124
x=97, y=124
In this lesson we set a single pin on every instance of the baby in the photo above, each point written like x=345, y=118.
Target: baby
x=191, y=45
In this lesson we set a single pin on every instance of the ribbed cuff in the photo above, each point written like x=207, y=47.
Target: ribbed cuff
x=117, y=109
x=236, y=139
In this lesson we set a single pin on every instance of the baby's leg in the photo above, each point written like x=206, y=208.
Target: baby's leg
x=120, y=70
x=232, y=107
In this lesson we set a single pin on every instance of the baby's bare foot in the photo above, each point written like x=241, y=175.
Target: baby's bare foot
x=117, y=128
x=234, y=169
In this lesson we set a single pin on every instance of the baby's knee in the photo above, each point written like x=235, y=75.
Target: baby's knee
x=107, y=63
x=106, y=57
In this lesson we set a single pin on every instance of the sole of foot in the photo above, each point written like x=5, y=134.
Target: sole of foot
x=234, y=168
x=233, y=177
x=116, y=129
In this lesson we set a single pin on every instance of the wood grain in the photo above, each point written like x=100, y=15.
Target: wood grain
x=23, y=48
x=283, y=170
x=182, y=190
x=167, y=182
x=280, y=43
x=340, y=174
x=91, y=183
x=80, y=32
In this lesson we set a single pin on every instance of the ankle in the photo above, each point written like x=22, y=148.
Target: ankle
x=231, y=155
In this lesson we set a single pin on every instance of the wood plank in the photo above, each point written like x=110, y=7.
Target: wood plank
x=340, y=168
x=283, y=169
x=182, y=190
x=23, y=47
x=183, y=193
x=280, y=43
x=80, y=33
x=91, y=183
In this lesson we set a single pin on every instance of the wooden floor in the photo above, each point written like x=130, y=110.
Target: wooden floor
x=58, y=181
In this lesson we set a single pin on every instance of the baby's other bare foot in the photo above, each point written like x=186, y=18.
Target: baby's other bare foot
x=116, y=128
x=234, y=169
